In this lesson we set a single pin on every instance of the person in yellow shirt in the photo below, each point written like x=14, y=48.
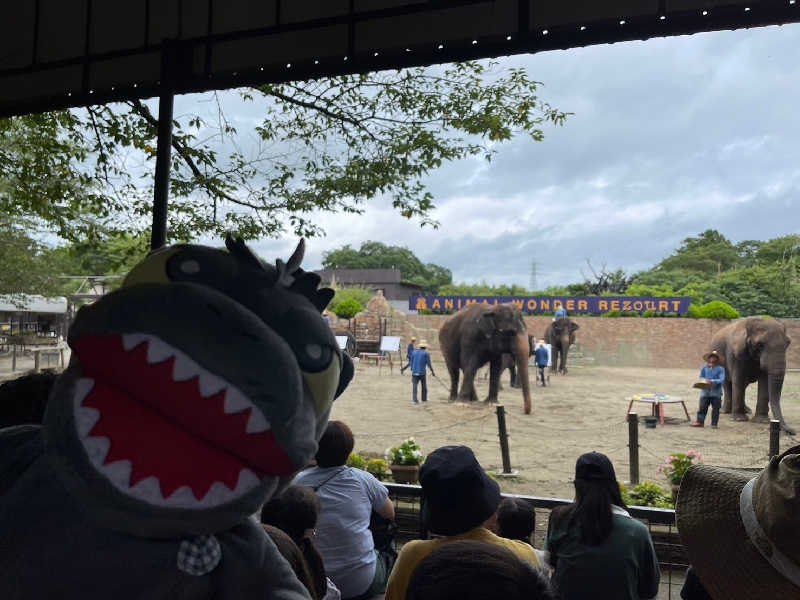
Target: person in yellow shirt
x=458, y=498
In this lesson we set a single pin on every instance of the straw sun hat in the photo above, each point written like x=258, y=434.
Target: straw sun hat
x=707, y=355
x=742, y=532
x=423, y=344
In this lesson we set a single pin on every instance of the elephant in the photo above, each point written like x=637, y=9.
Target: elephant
x=560, y=334
x=753, y=350
x=478, y=334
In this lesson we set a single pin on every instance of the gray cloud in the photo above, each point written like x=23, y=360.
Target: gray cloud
x=669, y=137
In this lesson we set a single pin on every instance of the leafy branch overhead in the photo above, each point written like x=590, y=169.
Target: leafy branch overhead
x=326, y=145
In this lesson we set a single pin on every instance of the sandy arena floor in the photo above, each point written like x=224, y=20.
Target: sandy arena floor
x=580, y=412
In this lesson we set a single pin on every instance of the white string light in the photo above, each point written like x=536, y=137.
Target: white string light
x=508, y=38
x=376, y=54
x=662, y=17
x=288, y=66
x=440, y=46
x=705, y=12
x=474, y=42
x=746, y=9
x=583, y=27
x=545, y=32
x=622, y=22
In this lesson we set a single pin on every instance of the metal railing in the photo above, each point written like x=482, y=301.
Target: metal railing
x=660, y=522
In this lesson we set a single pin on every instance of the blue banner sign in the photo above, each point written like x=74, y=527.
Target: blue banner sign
x=574, y=305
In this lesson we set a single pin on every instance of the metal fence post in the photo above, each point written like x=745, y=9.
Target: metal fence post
x=774, y=438
x=501, y=428
x=633, y=446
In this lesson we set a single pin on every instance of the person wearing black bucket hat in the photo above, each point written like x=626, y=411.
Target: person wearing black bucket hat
x=458, y=497
x=596, y=549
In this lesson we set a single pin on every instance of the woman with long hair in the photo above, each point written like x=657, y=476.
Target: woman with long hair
x=597, y=550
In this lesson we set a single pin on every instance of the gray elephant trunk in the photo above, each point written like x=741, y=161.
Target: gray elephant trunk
x=521, y=354
x=775, y=384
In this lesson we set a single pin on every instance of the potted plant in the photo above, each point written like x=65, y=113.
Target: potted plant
x=404, y=461
x=675, y=467
x=377, y=468
x=356, y=461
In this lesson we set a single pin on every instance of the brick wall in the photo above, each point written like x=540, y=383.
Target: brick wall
x=623, y=342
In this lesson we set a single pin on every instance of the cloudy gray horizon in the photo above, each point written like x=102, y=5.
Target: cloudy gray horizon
x=669, y=137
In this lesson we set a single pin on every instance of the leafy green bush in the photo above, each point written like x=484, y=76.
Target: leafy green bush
x=713, y=310
x=377, y=467
x=359, y=294
x=612, y=313
x=357, y=461
x=347, y=309
x=407, y=453
x=650, y=494
x=649, y=314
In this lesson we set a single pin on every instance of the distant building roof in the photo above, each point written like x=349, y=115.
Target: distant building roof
x=31, y=303
x=362, y=276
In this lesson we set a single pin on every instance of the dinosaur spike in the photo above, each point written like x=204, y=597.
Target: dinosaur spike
x=297, y=257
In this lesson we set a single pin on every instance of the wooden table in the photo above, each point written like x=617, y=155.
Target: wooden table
x=657, y=402
x=378, y=357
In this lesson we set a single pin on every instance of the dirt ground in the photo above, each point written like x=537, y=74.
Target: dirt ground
x=579, y=412
x=582, y=411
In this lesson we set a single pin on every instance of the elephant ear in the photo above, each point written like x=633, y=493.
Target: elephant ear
x=573, y=326
x=738, y=344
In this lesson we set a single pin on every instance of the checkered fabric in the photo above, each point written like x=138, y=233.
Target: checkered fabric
x=199, y=555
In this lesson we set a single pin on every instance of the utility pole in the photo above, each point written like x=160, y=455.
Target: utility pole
x=533, y=277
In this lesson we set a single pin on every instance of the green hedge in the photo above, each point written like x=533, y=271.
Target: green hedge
x=713, y=310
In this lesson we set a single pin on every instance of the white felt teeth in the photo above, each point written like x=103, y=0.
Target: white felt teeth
x=257, y=422
x=184, y=368
x=119, y=472
x=235, y=402
x=210, y=384
x=158, y=351
x=131, y=340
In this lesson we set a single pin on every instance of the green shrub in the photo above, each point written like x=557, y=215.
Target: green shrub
x=626, y=497
x=359, y=294
x=612, y=314
x=357, y=461
x=694, y=312
x=347, y=309
x=714, y=310
x=407, y=453
x=377, y=467
x=649, y=314
x=650, y=494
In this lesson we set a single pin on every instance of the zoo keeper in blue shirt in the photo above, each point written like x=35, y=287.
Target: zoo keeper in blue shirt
x=419, y=360
x=541, y=356
x=409, y=352
x=714, y=374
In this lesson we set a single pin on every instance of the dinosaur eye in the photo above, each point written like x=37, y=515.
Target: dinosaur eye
x=314, y=357
x=190, y=267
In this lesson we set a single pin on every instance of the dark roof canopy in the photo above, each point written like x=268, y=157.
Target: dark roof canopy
x=63, y=53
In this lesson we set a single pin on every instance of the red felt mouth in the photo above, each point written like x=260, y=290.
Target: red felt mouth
x=169, y=429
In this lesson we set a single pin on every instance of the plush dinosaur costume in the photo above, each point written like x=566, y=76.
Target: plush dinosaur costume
x=194, y=393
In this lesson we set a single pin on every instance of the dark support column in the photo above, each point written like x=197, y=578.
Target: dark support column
x=503, y=434
x=774, y=438
x=169, y=70
x=158, y=236
x=633, y=446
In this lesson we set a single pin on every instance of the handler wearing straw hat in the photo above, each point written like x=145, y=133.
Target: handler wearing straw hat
x=741, y=530
x=420, y=360
x=713, y=376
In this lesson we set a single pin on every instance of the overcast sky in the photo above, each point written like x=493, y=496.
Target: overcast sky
x=669, y=137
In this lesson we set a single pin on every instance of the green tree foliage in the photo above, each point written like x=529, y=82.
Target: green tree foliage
x=375, y=255
x=482, y=289
x=713, y=310
x=330, y=144
x=359, y=294
x=753, y=277
x=24, y=264
x=347, y=309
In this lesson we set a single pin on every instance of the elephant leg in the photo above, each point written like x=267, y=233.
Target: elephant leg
x=453, y=370
x=514, y=382
x=728, y=396
x=494, y=379
x=553, y=359
x=468, y=384
x=762, y=406
x=738, y=384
